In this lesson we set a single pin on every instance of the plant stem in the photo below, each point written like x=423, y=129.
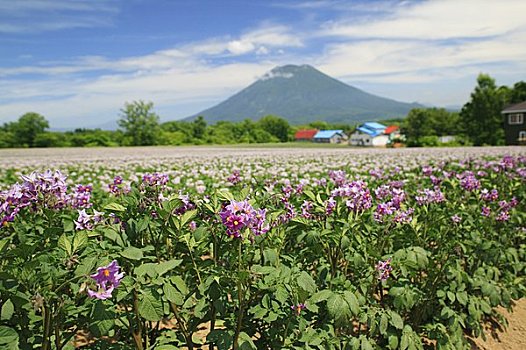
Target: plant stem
x=240, y=300
x=46, y=342
x=137, y=334
x=182, y=324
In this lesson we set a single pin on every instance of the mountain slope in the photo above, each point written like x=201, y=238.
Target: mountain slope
x=302, y=94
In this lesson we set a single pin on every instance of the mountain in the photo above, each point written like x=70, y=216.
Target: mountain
x=303, y=94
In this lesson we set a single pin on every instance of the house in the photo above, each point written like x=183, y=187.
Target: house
x=514, y=124
x=370, y=134
x=446, y=139
x=393, y=131
x=305, y=135
x=330, y=136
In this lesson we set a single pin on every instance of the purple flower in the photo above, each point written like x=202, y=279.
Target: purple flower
x=297, y=308
x=234, y=178
x=428, y=196
x=384, y=269
x=107, y=278
x=357, y=195
x=456, y=219
x=503, y=216
x=237, y=216
x=486, y=211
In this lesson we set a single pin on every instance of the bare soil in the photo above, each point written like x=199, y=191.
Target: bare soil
x=511, y=338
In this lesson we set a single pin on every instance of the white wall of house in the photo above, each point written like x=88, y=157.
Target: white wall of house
x=380, y=140
x=362, y=139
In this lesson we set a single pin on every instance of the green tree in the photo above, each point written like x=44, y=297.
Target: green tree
x=518, y=93
x=28, y=127
x=275, y=126
x=139, y=123
x=199, y=127
x=417, y=125
x=481, y=118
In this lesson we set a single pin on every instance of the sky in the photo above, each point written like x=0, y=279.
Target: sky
x=77, y=62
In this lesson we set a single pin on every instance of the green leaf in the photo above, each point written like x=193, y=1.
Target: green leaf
x=462, y=298
x=351, y=299
x=451, y=296
x=172, y=294
x=338, y=308
x=187, y=216
x=8, y=336
x=150, y=308
x=7, y=310
x=393, y=342
x=366, y=344
x=396, y=320
x=65, y=244
x=306, y=282
x=320, y=296
x=80, y=240
x=86, y=266
x=102, y=320
x=114, y=207
x=245, y=342
x=132, y=253
x=149, y=269
x=180, y=284
x=167, y=266
x=384, y=323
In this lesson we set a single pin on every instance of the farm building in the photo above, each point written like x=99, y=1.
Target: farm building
x=393, y=132
x=330, y=136
x=514, y=125
x=370, y=134
x=305, y=135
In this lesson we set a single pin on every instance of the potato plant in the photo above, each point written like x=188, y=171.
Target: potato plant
x=270, y=253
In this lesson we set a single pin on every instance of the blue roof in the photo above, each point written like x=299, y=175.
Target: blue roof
x=369, y=131
x=327, y=134
x=372, y=128
x=374, y=125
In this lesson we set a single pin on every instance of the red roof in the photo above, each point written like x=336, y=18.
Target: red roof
x=390, y=129
x=305, y=134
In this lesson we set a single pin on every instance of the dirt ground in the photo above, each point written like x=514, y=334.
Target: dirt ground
x=512, y=338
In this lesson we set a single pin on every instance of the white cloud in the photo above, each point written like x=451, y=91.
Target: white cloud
x=240, y=47
x=417, y=44
x=54, y=15
x=431, y=20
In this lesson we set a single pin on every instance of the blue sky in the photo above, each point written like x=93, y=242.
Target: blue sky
x=78, y=61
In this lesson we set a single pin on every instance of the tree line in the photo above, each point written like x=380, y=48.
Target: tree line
x=479, y=122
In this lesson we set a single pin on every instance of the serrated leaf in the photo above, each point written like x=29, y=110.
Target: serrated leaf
x=306, y=282
x=7, y=310
x=132, y=253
